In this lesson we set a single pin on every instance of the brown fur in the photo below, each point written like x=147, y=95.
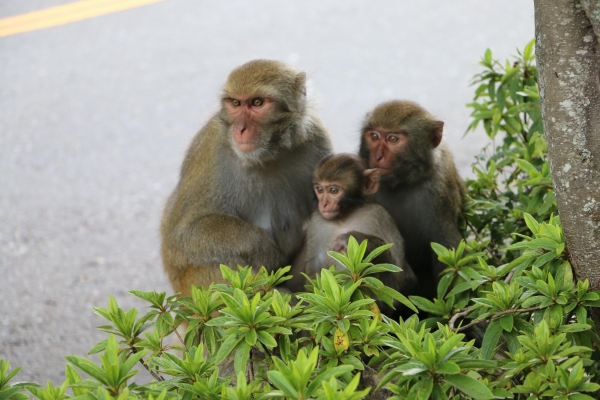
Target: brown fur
x=250, y=208
x=423, y=192
x=365, y=220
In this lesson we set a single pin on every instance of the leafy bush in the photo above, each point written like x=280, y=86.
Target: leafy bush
x=510, y=319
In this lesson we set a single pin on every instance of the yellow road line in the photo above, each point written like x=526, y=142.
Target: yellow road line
x=65, y=14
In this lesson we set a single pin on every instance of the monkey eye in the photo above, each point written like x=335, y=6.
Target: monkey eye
x=374, y=135
x=393, y=138
x=333, y=190
x=235, y=102
x=318, y=189
x=257, y=102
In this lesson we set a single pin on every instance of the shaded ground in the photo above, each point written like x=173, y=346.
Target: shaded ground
x=95, y=117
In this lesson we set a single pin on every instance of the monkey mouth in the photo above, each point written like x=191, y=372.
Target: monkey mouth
x=330, y=214
x=246, y=147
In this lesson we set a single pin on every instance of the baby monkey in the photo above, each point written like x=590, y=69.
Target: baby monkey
x=343, y=186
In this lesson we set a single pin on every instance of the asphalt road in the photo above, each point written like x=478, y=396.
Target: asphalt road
x=95, y=117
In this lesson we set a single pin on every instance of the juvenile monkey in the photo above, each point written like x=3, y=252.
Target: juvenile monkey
x=343, y=186
x=419, y=187
x=243, y=193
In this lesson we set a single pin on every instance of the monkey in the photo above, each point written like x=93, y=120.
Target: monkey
x=419, y=186
x=343, y=186
x=242, y=196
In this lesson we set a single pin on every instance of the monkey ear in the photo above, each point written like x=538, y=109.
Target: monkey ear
x=301, y=83
x=438, y=127
x=371, y=181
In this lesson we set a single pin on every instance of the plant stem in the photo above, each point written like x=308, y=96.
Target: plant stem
x=154, y=374
x=456, y=316
x=500, y=314
x=510, y=276
x=181, y=339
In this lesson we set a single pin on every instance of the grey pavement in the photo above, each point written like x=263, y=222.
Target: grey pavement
x=95, y=117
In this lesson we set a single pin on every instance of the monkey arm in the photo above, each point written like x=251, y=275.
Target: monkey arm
x=296, y=284
x=225, y=239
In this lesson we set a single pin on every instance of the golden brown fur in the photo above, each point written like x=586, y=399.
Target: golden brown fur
x=235, y=206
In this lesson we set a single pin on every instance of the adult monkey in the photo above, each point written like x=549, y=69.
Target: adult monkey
x=244, y=188
x=419, y=186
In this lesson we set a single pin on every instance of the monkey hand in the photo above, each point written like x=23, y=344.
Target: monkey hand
x=341, y=241
x=340, y=244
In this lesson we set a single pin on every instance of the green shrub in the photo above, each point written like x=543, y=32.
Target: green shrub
x=510, y=320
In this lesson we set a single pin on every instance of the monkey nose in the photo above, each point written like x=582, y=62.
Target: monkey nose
x=240, y=127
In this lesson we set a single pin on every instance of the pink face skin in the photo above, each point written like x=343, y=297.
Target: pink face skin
x=384, y=146
x=248, y=114
x=329, y=195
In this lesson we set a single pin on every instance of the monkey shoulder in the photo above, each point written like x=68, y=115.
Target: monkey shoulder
x=379, y=222
x=195, y=180
x=447, y=184
x=318, y=143
x=205, y=144
x=370, y=211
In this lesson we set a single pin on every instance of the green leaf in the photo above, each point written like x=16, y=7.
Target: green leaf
x=101, y=346
x=532, y=224
x=251, y=337
x=443, y=285
x=266, y=339
x=425, y=305
x=482, y=364
x=490, y=339
x=325, y=376
x=226, y=347
x=469, y=386
x=507, y=322
x=242, y=353
x=377, y=252
x=281, y=382
x=438, y=393
x=8, y=393
x=528, y=51
x=422, y=390
x=89, y=368
x=448, y=368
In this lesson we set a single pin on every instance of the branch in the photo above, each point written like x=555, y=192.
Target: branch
x=154, y=374
x=466, y=311
x=181, y=339
x=510, y=275
x=500, y=314
x=456, y=316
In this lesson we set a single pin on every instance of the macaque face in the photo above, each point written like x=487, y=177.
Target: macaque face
x=384, y=147
x=248, y=114
x=329, y=195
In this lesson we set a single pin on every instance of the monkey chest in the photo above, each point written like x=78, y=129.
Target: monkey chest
x=413, y=211
x=281, y=215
